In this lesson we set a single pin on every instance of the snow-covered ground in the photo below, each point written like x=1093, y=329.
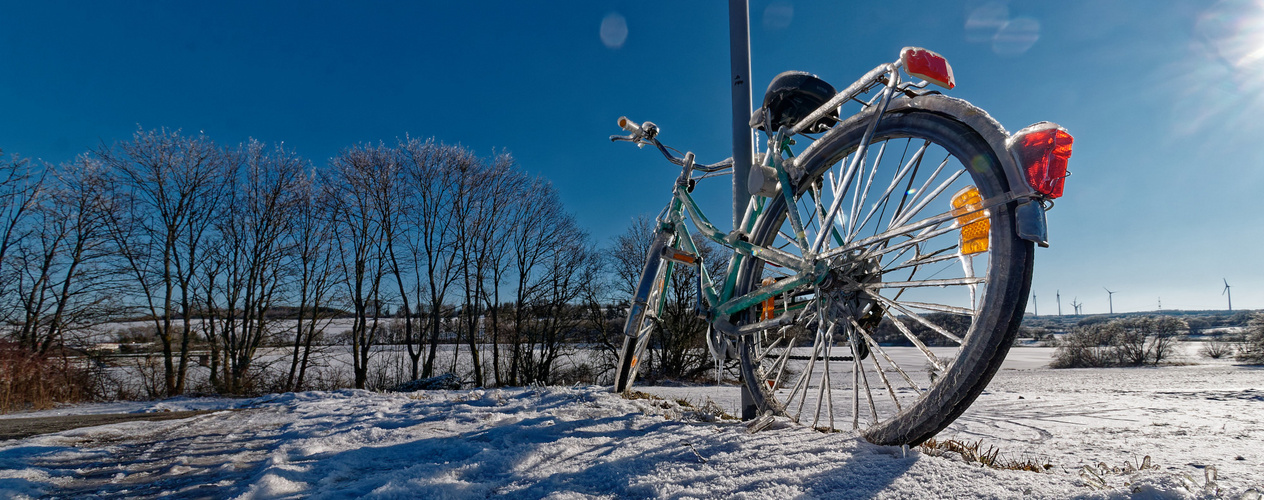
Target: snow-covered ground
x=582, y=442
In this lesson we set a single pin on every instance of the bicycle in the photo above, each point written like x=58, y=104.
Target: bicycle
x=910, y=221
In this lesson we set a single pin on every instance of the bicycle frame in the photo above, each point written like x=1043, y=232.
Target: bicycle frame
x=722, y=305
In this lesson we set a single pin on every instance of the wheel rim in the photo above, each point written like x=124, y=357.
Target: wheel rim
x=904, y=281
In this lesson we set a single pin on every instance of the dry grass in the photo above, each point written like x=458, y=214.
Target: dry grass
x=974, y=453
x=708, y=411
x=29, y=381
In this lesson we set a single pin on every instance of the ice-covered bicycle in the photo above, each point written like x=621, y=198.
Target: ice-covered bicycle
x=881, y=267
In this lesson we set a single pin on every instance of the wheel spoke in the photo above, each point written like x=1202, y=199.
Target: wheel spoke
x=930, y=356
x=768, y=350
x=904, y=217
x=858, y=201
x=963, y=311
x=881, y=249
x=912, y=198
x=923, y=259
x=875, y=346
x=917, y=317
x=860, y=367
x=925, y=283
x=886, y=196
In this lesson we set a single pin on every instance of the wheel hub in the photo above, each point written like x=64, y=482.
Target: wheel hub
x=843, y=287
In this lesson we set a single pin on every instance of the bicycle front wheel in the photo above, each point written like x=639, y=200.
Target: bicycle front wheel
x=926, y=286
x=647, y=307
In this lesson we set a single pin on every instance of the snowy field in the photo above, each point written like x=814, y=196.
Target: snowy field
x=1196, y=422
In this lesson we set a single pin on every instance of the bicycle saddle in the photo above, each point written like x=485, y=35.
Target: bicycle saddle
x=792, y=96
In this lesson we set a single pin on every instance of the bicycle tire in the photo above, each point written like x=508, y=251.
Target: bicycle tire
x=645, y=309
x=914, y=413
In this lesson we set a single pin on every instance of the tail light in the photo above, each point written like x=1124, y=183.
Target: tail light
x=1043, y=150
x=928, y=66
x=973, y=222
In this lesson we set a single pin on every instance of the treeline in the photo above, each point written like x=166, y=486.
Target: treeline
x=207, y=241
x=1134, y=341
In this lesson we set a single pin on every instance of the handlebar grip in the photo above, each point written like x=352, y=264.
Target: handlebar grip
x=630, y=126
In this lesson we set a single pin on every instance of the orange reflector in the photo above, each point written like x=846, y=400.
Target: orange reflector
x=928, y=66
x=634, y=361
x=679, y=256
x=767, y=307
x=1044, y=149
x=967, y=207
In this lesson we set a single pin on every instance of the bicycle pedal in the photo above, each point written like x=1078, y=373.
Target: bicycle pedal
x=681, y=256
x=761, y=423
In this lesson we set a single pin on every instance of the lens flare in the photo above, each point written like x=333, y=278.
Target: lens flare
x=614, y=30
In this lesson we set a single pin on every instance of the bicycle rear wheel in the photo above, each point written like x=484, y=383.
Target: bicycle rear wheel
x=919, y=309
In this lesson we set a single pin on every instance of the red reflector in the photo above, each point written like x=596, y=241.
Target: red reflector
x=928, y=66
x=1044, y=153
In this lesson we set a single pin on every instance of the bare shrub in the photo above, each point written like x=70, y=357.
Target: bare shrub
x=1087, y=346
x=148, y=374
x=389, y=370
x=133, y=334
x=31, y=381
x=1252, y=350
x=581, y=373
x=1216, y=349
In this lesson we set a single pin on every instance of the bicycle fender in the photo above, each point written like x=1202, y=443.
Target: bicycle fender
x=980, y=121
x=1030, y=214
x=1029, y=219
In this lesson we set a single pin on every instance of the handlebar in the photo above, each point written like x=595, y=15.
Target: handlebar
x=647, y=133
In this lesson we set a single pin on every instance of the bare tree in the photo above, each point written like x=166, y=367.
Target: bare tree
x=64, y=278
x=539, y=229
x=627, y=254
x=472, y=208
x=20, y=187
x=252, y=254
x=169, y=188
x=504, y=196
x=390, y=205
x=312, y=262
x=556, y=325
x=430, y=170
x=358, y=232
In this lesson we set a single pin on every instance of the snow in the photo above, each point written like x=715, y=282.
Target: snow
x=583, y=442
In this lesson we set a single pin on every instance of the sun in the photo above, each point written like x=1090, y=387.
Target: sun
x=1233, y=33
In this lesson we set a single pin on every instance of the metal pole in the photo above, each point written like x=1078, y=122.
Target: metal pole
x=739, y=62
x=739, y=57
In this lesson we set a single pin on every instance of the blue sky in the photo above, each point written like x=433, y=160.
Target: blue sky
x=1162, y=97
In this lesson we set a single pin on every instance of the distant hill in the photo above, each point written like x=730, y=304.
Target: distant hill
x=1197, y=320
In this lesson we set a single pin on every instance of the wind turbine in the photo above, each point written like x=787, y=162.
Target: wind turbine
x=1058, y=296
x=1076, y=305
x=1229, y=295
x=1035, y=305
x=1111, y=298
